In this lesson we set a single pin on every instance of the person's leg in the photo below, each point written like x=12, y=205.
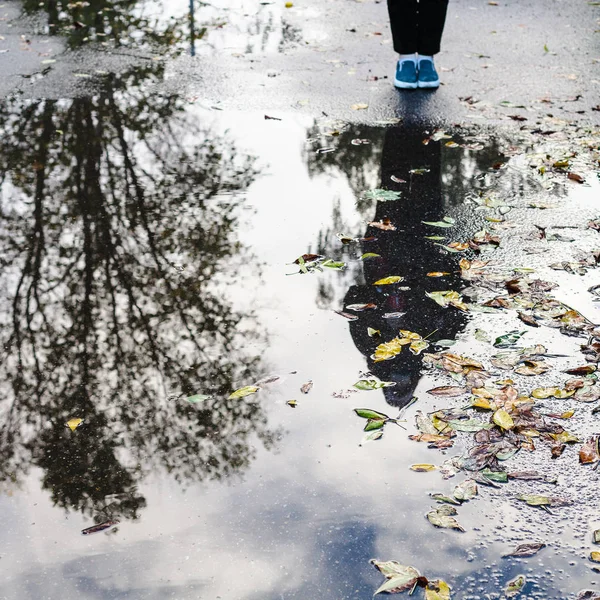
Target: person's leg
x=404, y=25
x=431, y=19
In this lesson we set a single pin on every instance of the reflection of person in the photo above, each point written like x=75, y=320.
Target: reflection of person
x=417, y=27
x=408, y=253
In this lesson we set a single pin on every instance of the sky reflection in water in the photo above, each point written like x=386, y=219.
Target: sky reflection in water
x=144, y=246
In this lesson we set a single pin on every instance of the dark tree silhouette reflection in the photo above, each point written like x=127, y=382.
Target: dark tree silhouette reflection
x=118, y=222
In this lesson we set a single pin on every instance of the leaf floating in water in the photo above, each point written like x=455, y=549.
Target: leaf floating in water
x=420, y=171
x=73, y=424
x=595, y=557
x=443, y=517
x=448, y=298
x=372, y=436
x=359, y=106
x=467, y=490
x=514, y=586
x=100, y=527
x=292, y=403
x=384, y=225
x=243, y=392
x=373, y=332
x=437, y=590
x=361, y=307
x=596, y=536
x=306, y=387
x=526, y=549
x=196, y=398
x=370, y=255
x=389, y=280
x=333, y=264
x=423, y=467
x=367, y=413
x=346, y=315
x=381, y=195
x=372, y=383
x=437, y=274
x=398, y=577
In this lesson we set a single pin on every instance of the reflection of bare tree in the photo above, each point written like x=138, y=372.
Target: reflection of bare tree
x=116, y=236
x=121, y=23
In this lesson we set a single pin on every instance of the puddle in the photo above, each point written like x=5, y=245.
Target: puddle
x=147, y=250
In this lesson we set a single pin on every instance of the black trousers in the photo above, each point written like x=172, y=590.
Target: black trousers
x=417, y=25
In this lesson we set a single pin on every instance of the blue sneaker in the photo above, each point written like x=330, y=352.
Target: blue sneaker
x=428, y=77
x=406, y=74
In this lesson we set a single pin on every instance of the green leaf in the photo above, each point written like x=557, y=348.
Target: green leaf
x=198, y=398
x=469, y=425
x=445, y=343
x=509, y=339
x=369, y=255
x=443, y=223
x=514, y=586
x=442, y=517
x=332, y=264
x=372, y=436
x=497, y=476
x=441, y=499
x=535, y=499
x=367, y=413
x=467, y=490
x=242, y=392
x=372, y=383
x=373, y=424
x=381, y=195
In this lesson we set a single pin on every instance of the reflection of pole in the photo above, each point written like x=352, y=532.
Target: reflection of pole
x=192, y=34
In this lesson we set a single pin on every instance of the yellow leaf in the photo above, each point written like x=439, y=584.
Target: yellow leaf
x=423, y=467
x=418, y=346
x=437, y=590
x=388, y=350
x=595, y=556
x=389, y=280
x=73, y=424
x=245, y=391
x=360, y=106
x=437, y=274
x=503, y=419
x=481, y=403
x=289, y=4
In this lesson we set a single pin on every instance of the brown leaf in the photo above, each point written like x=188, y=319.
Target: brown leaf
x=528, y=319
x=306, y=387
x=588, y=453
x=384, y=225
x=526, y=549
x=576, y=177
x=584, y=370
x=448, y=390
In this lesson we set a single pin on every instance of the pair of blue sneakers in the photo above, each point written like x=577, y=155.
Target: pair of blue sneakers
x=411, y=74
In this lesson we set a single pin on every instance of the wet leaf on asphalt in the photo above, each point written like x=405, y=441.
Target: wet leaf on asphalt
x=528, y=319
x=306, y=387
x=584, y=370
x=469, y=425
x=447, y=222
x=503, y=419
x=514, y=586
x=372, y=436
x=73, y=424
x=443, y=517
x=509, y=339
x=588, y=454
x=528, y=549
x=244, y=391
x=448, y=390
x=373, y=332
x=437, y=590
x=445, y=499
x=373, y=383
x=596, y=536
x=448, y=298
x=398, y=577
x=346, y=315
x=389, y=280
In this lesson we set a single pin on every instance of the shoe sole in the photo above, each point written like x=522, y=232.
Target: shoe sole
x=428, y=84
x=405, y=85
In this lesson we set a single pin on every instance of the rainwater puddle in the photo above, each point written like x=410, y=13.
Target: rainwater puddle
x=147, y=256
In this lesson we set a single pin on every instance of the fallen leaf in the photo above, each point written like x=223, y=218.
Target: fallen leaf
x=443, y=517
x=448, y=390
x=503, y=420
x=292, y=403
x=370, y=255
x=346, y=315
x=244, y=391
x=575, y=177
x=467, y=490
x=361, y=307
x=306, y=387
x=398, y=577
x=73, y=424
x=595, y=557
x=514, y=586
x=384, y=225
x=423, y=467
x=528, y=549
x=381, y=195
x=389, y=280
x=509, y=339
x=373, y=332
x=447, y=222
x=359, y=106
x=588, y=453
x=373, y=383
x=437, y=590
x=198, y=398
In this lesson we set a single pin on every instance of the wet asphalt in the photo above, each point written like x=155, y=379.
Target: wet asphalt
x=322, y=57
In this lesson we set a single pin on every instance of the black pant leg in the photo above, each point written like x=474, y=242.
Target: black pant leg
x=432, y=16
x=404, y=19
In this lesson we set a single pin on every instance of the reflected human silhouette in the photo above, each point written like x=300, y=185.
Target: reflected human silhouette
x=406, y=252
